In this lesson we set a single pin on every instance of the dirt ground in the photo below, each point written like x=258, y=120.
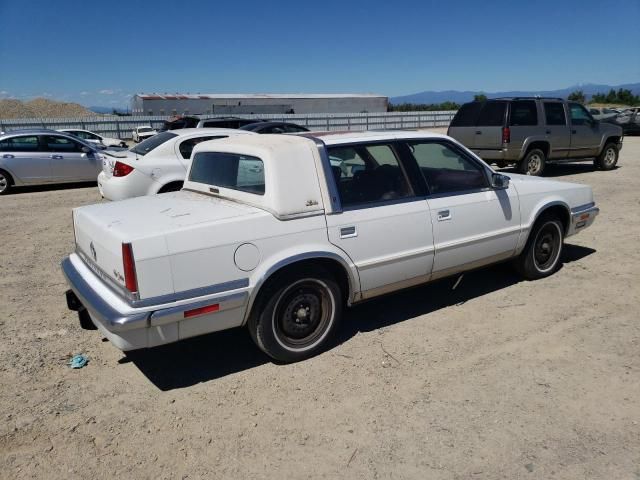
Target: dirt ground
x=498, y=378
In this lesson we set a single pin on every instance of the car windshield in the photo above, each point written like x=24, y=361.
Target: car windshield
x=145, y=129
x=149, y=144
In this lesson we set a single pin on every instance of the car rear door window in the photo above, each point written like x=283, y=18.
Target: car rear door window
x=186, y=147
x=368, y=174
x=19, y=144
x=467, y=115
x=447, y=170
x=492, y=114
x=554, y=113
x=523, y=113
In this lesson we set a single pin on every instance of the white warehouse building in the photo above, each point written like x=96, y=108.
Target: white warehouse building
x=230, y=104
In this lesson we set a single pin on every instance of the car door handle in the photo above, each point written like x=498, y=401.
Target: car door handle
x=444, y=215
x=348, y=232
x=57, y=157
x=8, y=155
x=574, y=131
x=548, y=132
x=478, y=132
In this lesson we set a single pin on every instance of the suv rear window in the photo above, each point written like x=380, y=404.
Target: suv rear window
x=523, y=112
x=228, y=170
x=151, y=143
x=492, y=114
x=467, y=115
x=554, y=113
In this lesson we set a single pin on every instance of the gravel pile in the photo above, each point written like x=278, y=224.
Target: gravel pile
x=41, y=108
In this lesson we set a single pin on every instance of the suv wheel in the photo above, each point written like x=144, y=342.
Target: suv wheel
x=533, y=163
x=608, y=158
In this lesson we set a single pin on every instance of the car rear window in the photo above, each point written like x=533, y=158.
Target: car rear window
x=523, y=112
x=467, y=115
x=492, y=114
x=228, y=170
x=152, y=143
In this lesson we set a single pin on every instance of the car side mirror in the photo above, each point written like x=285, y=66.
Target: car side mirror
x=499, y=181
x=86, y=150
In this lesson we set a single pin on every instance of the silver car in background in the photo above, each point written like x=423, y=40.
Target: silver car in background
x=36, y=157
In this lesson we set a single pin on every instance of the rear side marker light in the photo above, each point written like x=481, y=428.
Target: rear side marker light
x=202, y=310
x=128, y=263
x=122, y=169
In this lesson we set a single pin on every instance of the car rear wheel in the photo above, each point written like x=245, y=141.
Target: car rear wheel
x=297, y=314
x=5, y=182
x=608, y=158
x=533, y=163
x=541, y=256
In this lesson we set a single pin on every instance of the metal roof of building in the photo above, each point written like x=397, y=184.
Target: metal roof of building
x=212, y=96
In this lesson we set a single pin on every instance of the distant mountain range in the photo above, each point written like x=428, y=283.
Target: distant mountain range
x=466, y=96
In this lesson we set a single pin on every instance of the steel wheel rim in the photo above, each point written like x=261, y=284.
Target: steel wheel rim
x=303, y=314
x=534, y=163
x=610, y=156
x=4, y=183
x=547, y=246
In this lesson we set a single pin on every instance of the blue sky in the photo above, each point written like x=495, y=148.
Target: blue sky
x=100, y=53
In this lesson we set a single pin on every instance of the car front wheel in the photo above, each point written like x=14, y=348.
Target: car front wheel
x=541, y=256
x=297, y=314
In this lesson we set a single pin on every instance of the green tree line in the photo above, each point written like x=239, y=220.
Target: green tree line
x=622, y=97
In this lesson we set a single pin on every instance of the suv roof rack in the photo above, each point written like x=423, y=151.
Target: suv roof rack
x=535, y=97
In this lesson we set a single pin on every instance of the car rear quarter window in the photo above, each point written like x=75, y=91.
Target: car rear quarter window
x=467, y=115
x=228, y=170
x=492, y=114
x=523, y=113
x=152, y=143
x=19, y=144
x=554, y=113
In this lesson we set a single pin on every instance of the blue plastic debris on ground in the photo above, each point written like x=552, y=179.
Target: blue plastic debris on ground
x=78, y=361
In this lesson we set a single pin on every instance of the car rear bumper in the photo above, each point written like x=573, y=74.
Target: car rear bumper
x=582, y=217
x=131, y=328
x=135, y=184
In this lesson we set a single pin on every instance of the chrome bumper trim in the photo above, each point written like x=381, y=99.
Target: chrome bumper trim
x=101, y=311
x=582, y=217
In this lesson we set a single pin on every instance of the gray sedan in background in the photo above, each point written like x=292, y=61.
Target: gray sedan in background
x=36, y=157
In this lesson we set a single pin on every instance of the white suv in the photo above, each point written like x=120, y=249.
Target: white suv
x=156, y=165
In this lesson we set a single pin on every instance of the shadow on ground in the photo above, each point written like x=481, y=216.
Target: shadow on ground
x=561, y=169
x=216, y=355
x=51, y=188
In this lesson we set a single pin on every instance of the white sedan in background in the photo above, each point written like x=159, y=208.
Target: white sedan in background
x=156, y=165
x=94, y=138
x=142, y=133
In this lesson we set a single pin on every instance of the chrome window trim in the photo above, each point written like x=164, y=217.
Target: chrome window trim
x=334, y=195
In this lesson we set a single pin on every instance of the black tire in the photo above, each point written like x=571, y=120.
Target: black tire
x=297, y=314
x=608, y=158
x=541, y=255
x=171, y=187
x=6, y=182
x=533, y=163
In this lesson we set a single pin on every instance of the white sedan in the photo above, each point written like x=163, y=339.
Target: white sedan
x=94, y=138
x=142, y=133
x=156, y=165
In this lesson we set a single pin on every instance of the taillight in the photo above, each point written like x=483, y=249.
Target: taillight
x=130, y=279
x=506, y=135
x=121, y=169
